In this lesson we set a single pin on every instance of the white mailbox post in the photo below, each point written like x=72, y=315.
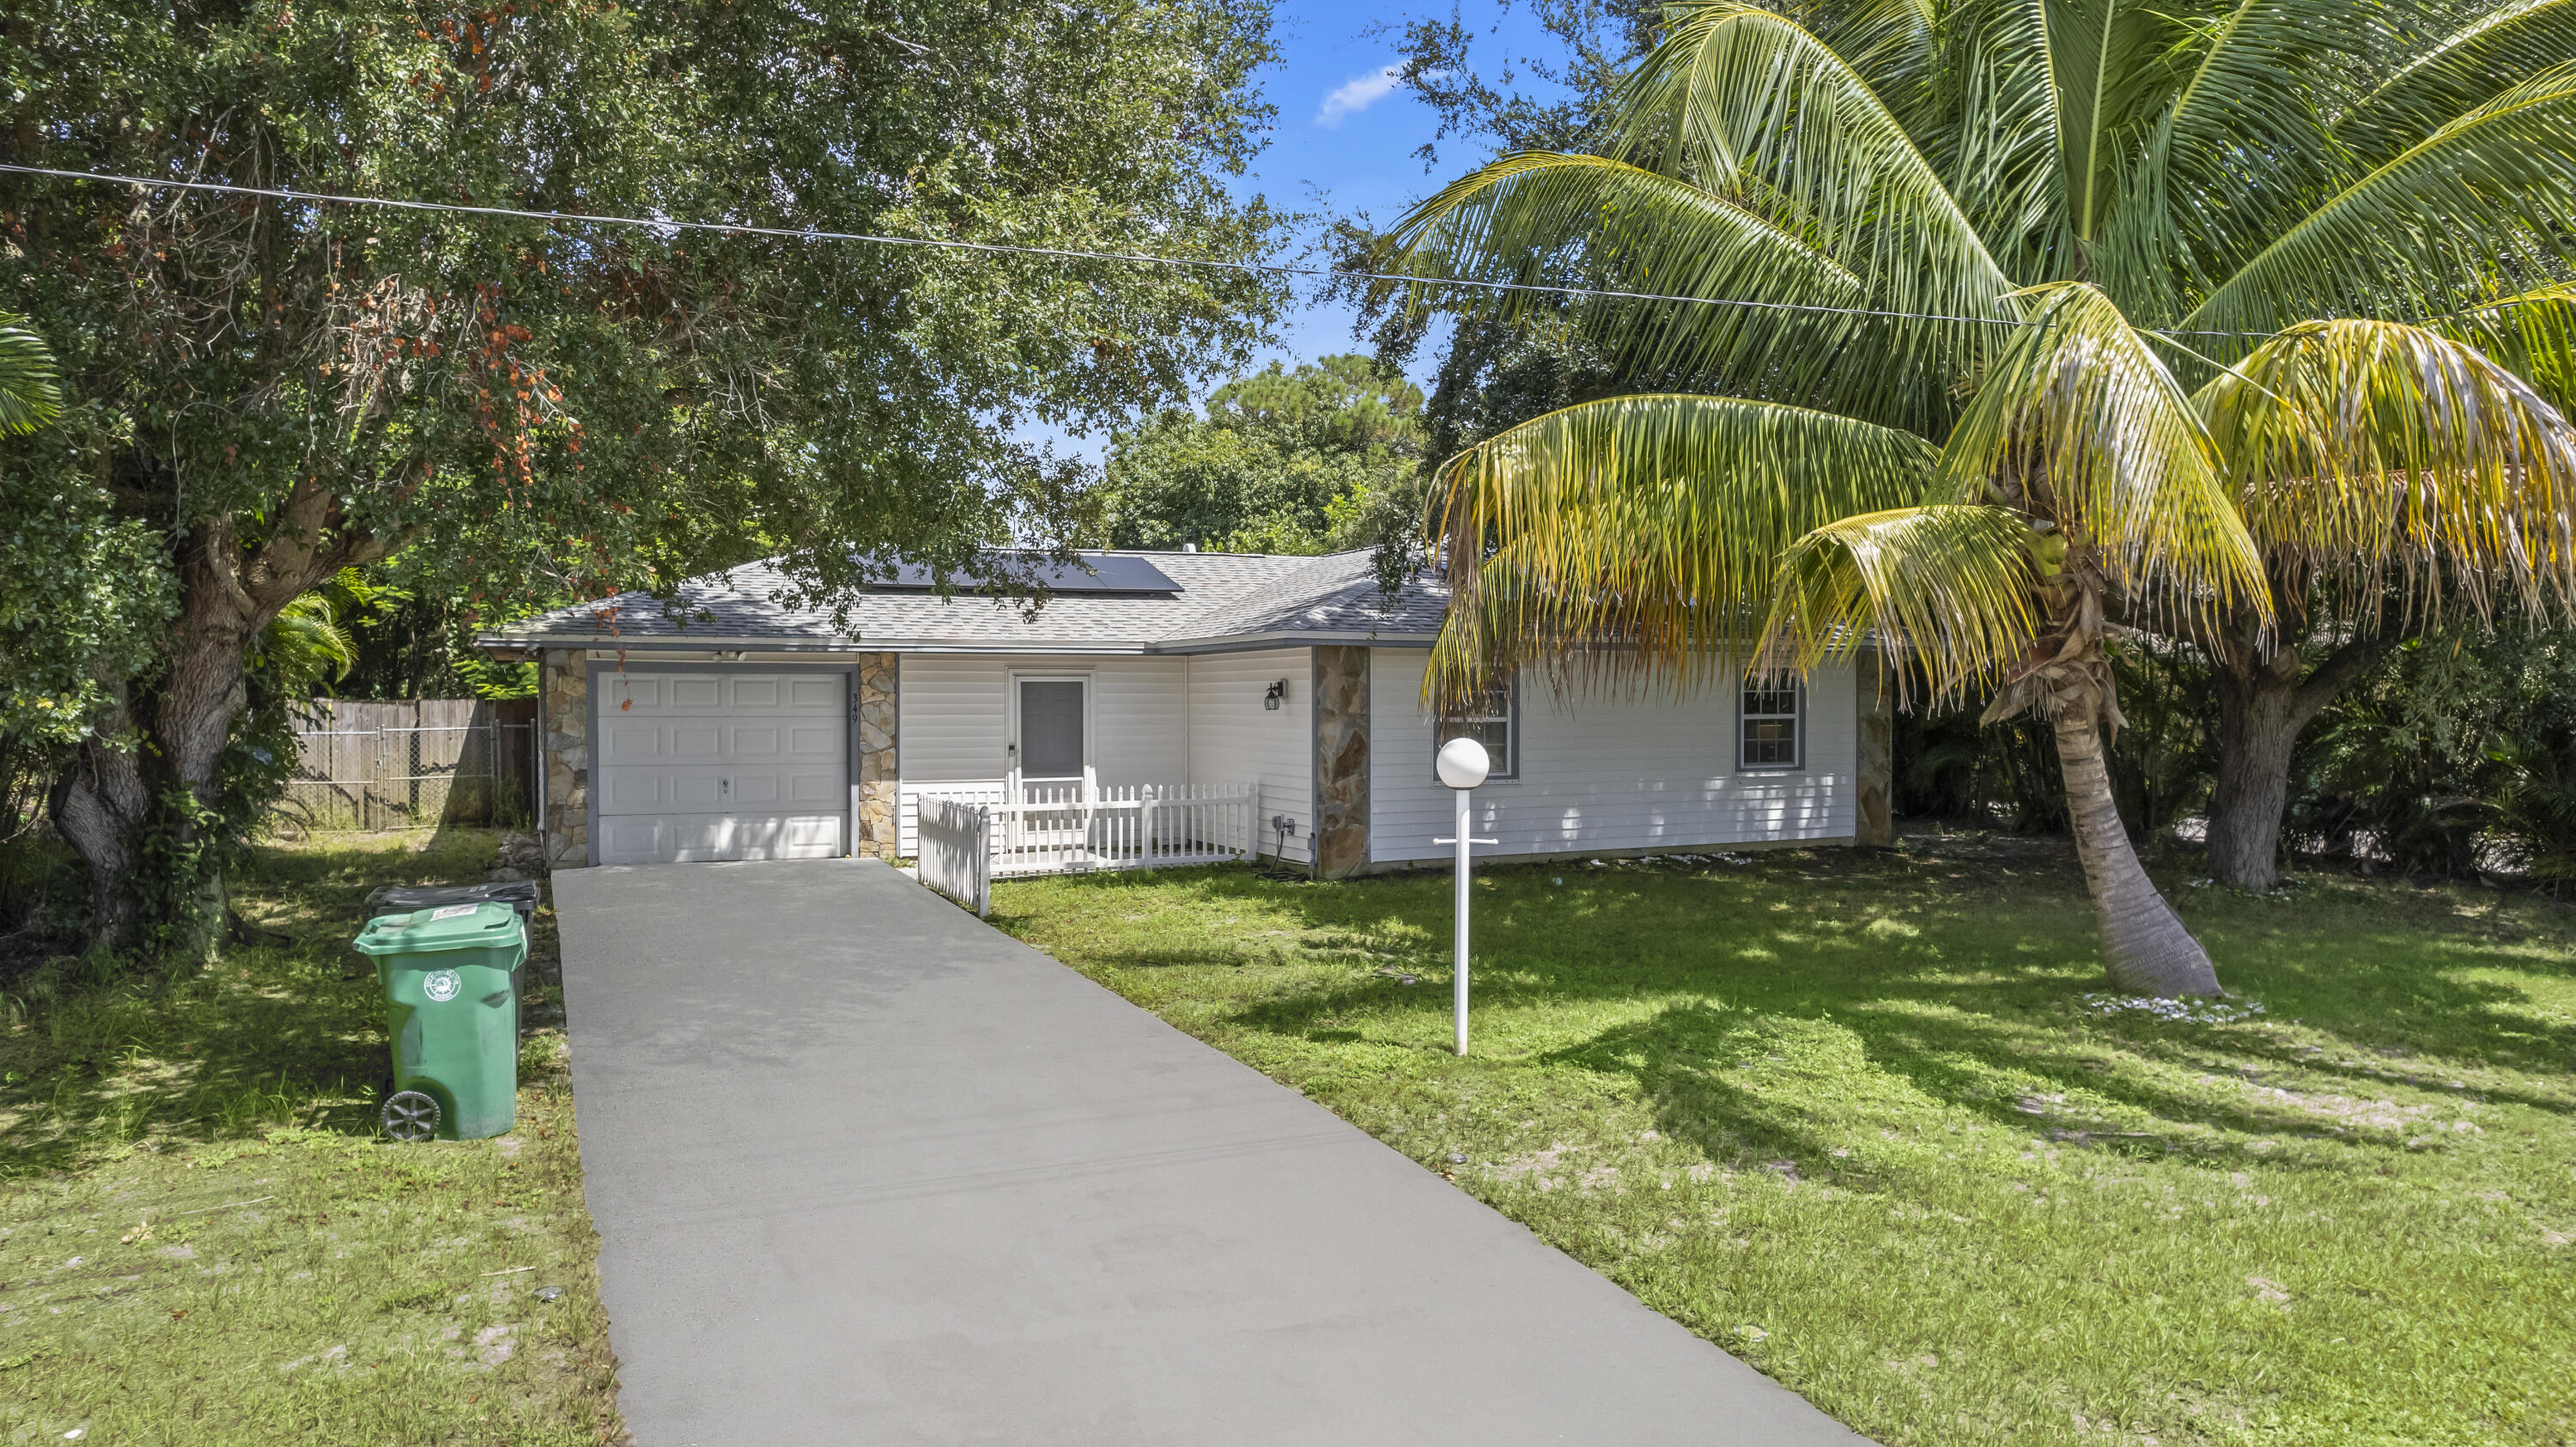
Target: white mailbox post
x=1463, y=765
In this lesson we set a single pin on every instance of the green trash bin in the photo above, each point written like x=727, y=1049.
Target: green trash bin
x=454, y=1018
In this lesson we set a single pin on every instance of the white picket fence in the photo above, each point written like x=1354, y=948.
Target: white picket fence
x=957, y=852
x=1080, y=825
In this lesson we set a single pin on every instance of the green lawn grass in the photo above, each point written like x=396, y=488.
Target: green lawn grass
x=1854, y=1117
x=202, y=1240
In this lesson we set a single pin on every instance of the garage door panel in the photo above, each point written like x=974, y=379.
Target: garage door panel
x=623, y=742
x=630, y=840
x=790, y=836
x=701, y=837
x=633, y=791
x=722, y=766
x=807, y=836
x=629, y=693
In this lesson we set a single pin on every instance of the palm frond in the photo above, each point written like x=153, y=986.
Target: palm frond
x=2531, y=334
x=1887, y=43
x=2246, y=125
x=1948, y=587
x=1538, y=219
x=1633, y=540
x=2468, y=68
x=2357, y=447
x=2081, y=424
x=30, y=393
x=304, y=644
x=2488, y=194
x=1744, y=103
x=2111, y=64
x=1993, y=134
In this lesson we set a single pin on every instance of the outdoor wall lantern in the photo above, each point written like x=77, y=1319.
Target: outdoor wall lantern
x=1463, y=764
x=1277, y=692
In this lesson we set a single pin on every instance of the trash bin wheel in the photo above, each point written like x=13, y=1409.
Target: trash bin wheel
x=411, y=1116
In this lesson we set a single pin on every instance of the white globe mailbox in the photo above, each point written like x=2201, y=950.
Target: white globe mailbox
x=1463, y=764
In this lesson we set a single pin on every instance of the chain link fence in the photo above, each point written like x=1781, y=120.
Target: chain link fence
x=363, y=765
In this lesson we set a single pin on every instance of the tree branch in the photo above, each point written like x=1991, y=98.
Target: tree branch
x=2336, y=674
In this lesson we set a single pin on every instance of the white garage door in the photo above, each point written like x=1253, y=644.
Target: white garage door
x=696, y=766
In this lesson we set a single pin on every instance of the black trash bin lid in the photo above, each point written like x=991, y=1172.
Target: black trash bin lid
x=519, y=894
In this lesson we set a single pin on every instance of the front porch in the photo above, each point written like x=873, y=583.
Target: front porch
x=973, y=833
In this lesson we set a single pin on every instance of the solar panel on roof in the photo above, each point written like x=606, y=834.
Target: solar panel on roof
x=1107, y=573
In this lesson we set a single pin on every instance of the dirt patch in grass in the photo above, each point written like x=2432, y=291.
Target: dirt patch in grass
x=202, y=1239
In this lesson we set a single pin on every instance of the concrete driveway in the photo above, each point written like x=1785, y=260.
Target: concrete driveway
x=867, y=1171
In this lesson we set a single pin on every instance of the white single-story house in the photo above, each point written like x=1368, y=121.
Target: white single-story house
x=1276, y=700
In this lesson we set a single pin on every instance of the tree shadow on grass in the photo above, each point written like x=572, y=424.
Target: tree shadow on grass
x=1958, y=981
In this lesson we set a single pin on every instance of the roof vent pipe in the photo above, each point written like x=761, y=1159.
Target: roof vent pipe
x=1189, y=547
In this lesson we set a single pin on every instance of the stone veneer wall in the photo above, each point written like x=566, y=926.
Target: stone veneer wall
x=880, y=757
x=1874, y=732
x=1341, y=761
x=565, y=696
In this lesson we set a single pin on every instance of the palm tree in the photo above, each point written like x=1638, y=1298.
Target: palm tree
x=2049, y=321
x=30, y=396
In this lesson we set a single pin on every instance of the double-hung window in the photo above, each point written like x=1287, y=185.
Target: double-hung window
x=1770, y=732
x=1492, y=718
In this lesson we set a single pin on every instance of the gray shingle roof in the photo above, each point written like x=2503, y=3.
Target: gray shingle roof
x=1226, y=600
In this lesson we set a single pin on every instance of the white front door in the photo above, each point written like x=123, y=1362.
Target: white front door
x=721, y=765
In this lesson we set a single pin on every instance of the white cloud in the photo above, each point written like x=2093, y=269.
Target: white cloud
x=1358, y=94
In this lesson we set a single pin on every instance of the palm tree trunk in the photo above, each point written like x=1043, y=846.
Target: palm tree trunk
x=2144, y=944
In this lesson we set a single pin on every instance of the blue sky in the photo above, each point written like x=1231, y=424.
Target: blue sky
x=1343, y=142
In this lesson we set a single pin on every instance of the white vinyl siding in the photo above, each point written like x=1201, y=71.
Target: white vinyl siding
x=1234, y=740
x=1644, y=773
x=953, y=721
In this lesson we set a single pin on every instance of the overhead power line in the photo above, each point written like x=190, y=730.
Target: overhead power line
x=1134, y=258
x=791, y=233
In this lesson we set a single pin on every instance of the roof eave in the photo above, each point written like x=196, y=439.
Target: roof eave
x=502, y=643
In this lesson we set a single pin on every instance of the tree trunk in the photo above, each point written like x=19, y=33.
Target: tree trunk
x=99, y=807
x=2258, y=727
x=2144, y=944
x=205, y=694
x=208, y=685
x=166, y=791
x=2265, y=700
x=118, y=795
